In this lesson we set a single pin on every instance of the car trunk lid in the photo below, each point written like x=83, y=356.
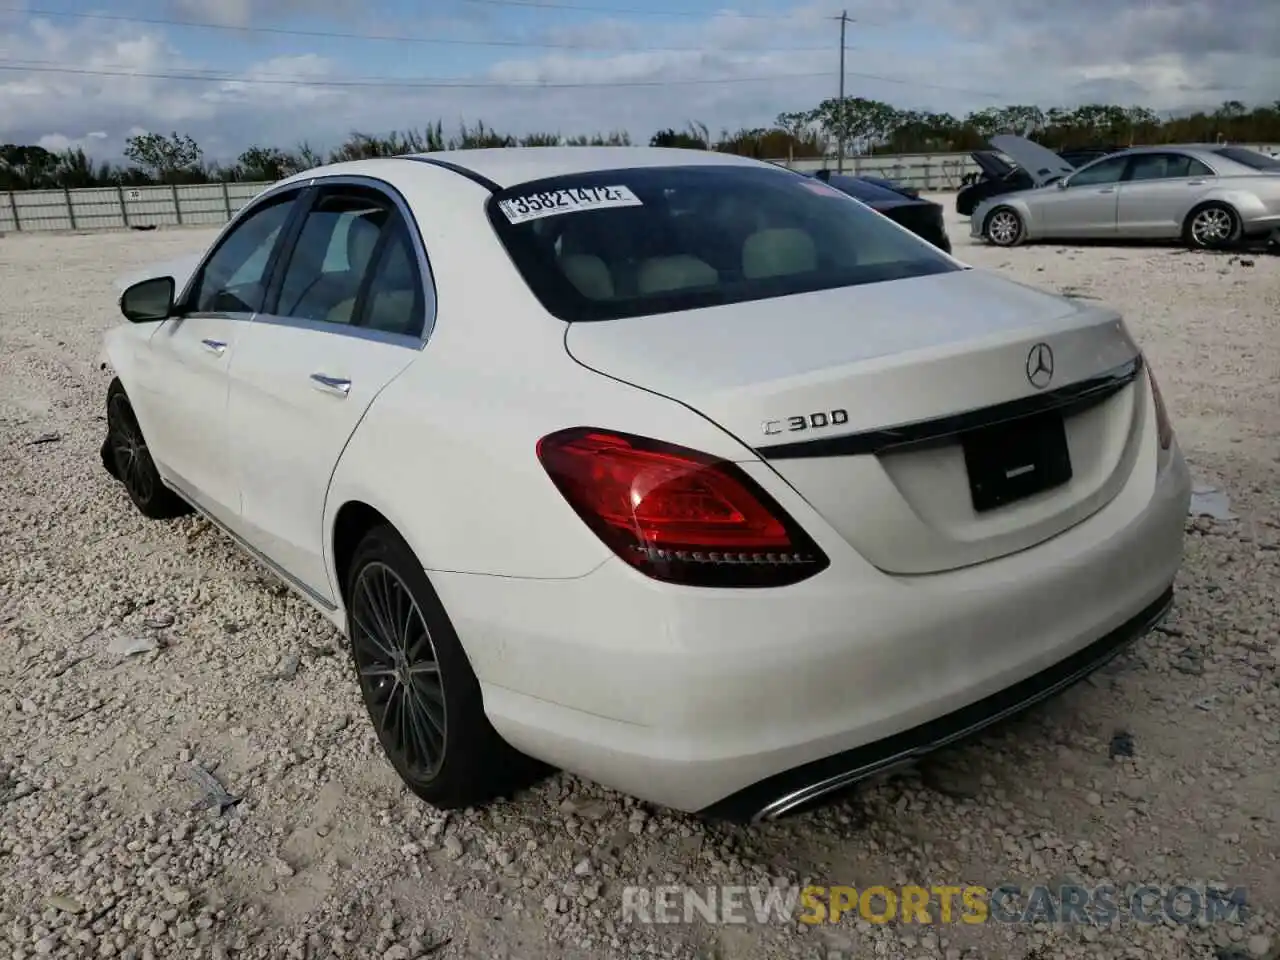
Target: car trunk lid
x=868, y=402
x=1041, y=163
x=990, y=163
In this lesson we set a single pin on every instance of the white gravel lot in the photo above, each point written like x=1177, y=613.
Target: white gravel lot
x=103, y=851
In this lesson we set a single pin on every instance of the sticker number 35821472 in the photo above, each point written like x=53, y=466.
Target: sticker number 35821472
x=571, y=200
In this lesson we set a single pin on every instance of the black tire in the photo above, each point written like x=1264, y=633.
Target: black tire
x=126, y=457
x=424, y=701
x=1212, y=226
x=1004, y=227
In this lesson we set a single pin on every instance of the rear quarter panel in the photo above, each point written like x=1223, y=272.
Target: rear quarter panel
x=447, y=452
x=1254, y=198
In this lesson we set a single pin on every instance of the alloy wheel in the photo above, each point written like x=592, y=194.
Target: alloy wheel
x=1004, y=227
x=129, y=448
x=1211, y=226
x=398, y=669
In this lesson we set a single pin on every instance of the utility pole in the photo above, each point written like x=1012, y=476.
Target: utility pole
x=840, y=117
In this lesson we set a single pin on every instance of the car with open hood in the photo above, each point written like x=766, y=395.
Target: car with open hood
x=1209, y=196
x=677, y=470
x=998, y=176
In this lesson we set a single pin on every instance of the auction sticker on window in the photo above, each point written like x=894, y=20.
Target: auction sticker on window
x=570, y=200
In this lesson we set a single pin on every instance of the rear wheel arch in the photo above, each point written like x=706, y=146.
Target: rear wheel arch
x=353, y=520
x=467, y=762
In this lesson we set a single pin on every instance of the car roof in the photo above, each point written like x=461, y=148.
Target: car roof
x=1165, y=147
x=507, y=166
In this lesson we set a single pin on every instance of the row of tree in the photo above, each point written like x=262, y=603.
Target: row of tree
x=865, y=126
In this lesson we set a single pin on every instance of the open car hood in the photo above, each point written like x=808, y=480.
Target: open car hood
x=991, y=163
x=180, y=268
x=1040, y=163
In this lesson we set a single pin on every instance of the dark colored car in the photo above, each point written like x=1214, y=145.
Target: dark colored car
x=1000, y=176
x=903, y=205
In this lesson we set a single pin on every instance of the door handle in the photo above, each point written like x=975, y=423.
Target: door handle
x=1107, y=190
x=1195, y=183
x=335, y=385
x=216, y=346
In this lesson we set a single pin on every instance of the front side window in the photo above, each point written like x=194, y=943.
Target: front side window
x=233, y=279
x=625, y=243
x=1099, y=173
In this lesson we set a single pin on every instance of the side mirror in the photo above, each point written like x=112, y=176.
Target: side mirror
x=148, y=301
x=1063, y=182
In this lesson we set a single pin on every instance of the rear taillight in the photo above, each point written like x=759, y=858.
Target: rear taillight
x=1164, y=429
x=675, y=514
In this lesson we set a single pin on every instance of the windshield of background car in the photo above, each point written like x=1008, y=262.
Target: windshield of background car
x=1249, y=158
x=635, y=242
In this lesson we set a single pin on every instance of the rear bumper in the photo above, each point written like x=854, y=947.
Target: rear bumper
x=1259, y=227
x=689, y=697
x=795, y=790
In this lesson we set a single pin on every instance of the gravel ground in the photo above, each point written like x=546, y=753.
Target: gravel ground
x=114, y=842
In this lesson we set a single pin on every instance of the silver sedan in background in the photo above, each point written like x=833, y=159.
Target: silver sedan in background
x=1208, y=195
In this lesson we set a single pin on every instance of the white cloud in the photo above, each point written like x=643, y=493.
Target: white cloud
x=1167, y=54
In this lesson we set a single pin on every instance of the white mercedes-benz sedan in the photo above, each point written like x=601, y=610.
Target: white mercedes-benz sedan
x=677, y=470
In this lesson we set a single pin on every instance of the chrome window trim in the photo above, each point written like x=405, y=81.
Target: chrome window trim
x=395, y=197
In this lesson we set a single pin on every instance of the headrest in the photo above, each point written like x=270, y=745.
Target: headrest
x=589, y=274
x=778, y=252
x=661, y=274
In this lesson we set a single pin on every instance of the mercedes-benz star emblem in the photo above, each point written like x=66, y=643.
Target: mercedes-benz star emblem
x=1040, y=366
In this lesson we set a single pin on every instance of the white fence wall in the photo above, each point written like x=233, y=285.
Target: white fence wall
x=212, y=204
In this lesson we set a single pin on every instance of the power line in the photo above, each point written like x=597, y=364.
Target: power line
x=627, y=11
x=409, y=83
x=649, y=12
x=462, y=83
x=388, y=38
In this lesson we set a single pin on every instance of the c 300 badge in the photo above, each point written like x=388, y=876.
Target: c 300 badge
x=809, y=421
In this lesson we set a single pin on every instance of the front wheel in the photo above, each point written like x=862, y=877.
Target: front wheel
x=418, y=686
x=1212, y=227
x=127, y=458
x=1004, y=227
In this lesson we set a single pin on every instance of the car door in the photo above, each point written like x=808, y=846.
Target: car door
x=1086, y=205
x=1158, y=191
x=183, y=378
x=347, y=312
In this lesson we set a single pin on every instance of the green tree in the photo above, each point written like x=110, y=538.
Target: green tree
x=169, y=159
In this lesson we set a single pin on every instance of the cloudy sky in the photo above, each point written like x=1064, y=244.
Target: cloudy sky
x=235, y=72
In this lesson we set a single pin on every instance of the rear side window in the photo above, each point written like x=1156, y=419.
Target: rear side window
x=1249, y=158
x=625, y=243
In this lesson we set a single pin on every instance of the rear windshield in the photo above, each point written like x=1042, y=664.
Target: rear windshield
x=1249, y=158
x=626, y=243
